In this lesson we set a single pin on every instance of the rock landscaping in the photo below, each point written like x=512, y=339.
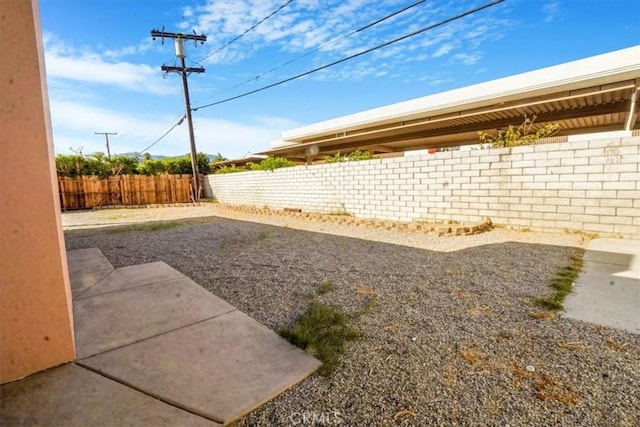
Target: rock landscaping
x=423, y=227
x=443, y=338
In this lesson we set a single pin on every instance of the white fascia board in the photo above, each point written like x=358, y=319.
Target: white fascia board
x=611, y=67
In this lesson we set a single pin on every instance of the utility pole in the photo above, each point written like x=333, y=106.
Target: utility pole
x=106, y=137
x=184, y=71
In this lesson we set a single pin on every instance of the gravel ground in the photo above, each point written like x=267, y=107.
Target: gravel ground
x=448, y=337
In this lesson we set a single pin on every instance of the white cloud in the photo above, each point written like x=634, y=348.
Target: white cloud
x=308, y=25
x=433, y=79
x=467, y=58
x=129, y=50
x=74, y=124
x=235, y=139
x=65, y=62
x=443, y=50
x=551, y=11
x=438, y=82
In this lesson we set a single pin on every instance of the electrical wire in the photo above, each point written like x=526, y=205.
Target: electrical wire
x=164, y=134
x=306, y=73
x=330, y=42
x=250, y=29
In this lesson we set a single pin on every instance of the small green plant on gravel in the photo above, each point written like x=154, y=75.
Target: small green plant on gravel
x=323, y=331
x=148, y=227
x=263, y=234
x=562, y=283
x=372, y=302
x=325, y=287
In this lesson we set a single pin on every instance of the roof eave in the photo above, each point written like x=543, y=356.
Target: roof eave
x=597, y=70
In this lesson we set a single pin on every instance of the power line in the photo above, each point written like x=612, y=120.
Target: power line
x=330, y=42
x=253, y=27
x=165, y=134
x=422, y=30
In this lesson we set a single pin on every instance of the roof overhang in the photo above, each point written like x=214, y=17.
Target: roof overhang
x=589, y=95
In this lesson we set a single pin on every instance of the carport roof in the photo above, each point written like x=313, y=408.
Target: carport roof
x=589, y=95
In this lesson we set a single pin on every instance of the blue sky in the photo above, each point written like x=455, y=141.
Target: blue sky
x=104, y=70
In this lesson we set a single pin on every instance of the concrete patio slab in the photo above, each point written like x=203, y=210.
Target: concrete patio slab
x=70, y=395
x=87, y=260
x=83, y=280
x=219, y=368
x=111, y=320
x=155, y=348
x=86, y=268
x=133, y=276
x=607, y=292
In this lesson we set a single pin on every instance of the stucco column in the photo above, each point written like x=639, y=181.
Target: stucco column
x=36, y=323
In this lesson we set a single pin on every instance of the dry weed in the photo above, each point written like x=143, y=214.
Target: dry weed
x=365, y=291
x=463, y=294
x=471, y=356
x=405, y=413
x=548, y=387
x=615, y=345
x=572, y=345
x=600, y=328
x=478, y=310
x=546, y=315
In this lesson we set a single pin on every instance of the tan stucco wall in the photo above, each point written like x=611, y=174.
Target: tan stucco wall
x=36, y=324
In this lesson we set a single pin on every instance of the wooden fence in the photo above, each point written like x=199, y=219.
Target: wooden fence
x=90, y=191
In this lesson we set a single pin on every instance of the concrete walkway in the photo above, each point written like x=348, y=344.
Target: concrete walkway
x=154, y=348
x=607, y=291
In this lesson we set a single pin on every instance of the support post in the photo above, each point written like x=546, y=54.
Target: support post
x=106, y=137
x=184, y=71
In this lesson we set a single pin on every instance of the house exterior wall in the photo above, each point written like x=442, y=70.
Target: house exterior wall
x=36, y=324
x=589, y=185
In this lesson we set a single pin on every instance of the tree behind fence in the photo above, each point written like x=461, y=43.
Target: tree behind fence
x=84, y=192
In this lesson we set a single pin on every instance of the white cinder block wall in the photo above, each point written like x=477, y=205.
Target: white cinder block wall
x=592, y=186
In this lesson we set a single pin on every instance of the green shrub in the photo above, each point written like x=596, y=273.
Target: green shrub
x=152, y=167
x=354, y=156
x=521, y=135
x=98, y=164
x=271, y=163
x=229, y=169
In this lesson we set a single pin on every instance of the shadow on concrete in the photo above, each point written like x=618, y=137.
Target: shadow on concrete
x=154, y=348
